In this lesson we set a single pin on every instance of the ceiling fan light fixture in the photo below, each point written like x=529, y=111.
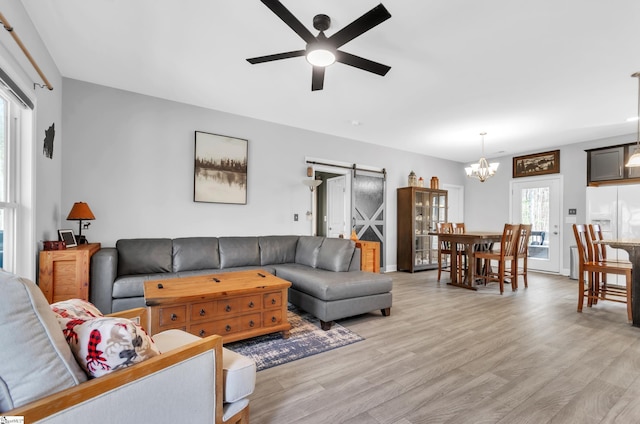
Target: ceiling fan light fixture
x=321, y=57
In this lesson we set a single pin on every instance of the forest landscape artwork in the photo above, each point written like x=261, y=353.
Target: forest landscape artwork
x=220, y=171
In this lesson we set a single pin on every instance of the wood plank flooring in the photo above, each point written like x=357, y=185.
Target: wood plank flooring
x=450, y=355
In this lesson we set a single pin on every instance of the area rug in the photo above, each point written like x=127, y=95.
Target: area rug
x=306, y=338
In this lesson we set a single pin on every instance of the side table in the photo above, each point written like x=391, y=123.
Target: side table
x=64, y=274
x=369, y=255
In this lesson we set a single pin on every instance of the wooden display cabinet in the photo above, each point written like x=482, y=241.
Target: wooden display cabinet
x=64, y=274
x=419, y=212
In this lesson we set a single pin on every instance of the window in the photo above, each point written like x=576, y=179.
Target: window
x=10, y=111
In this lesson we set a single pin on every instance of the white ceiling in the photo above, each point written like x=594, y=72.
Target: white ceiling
x=532, y=74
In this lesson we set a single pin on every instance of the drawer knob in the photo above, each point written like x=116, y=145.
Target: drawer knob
x=251, y=323
x=228, y=308
x=202, y=312
x=202, y=333
x=174, y=317
x=251, y=305
x=273, y=301
x=228, y=328
x=274, y=319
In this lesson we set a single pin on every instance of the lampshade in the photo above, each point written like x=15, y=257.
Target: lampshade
x=312, y=184
x=634, y=160
x=80, y=211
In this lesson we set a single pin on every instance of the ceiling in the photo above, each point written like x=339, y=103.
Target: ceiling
x=532, y=74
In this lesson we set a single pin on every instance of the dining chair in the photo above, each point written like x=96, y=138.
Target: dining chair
x=594, y=268
x=506, y=254
x=522, y=255
x=458, y=227
x=444, y=248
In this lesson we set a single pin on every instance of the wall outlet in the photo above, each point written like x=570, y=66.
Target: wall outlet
x=572, y=212
x=295, y=216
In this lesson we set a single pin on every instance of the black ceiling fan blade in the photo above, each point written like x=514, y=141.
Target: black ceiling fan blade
x=288, y=18
x=364, y=23
x=317, y=78
x=362, y=63
x=278, y=56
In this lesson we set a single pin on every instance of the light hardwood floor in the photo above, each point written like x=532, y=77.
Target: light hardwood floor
x=450, y=355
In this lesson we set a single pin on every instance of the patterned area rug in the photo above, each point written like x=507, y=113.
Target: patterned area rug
x=306, y=338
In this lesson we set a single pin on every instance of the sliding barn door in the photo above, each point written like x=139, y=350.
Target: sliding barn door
x=368, y=207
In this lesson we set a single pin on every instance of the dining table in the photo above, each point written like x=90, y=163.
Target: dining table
x=468, y=242
x=632, y=246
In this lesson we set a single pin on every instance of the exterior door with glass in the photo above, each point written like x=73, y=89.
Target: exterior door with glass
x=537, y=202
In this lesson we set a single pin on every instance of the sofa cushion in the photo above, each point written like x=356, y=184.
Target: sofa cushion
x=106, y=344
x=144, y=256
x=335, y=254
x=277, y=249
x=328, y=285
x=239, y=372
x=307, y=250
x=194, y=253
x=35, y=360
x=133, y=285
x=239, y=251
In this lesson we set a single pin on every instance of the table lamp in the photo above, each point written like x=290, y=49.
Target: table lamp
x=79, y=212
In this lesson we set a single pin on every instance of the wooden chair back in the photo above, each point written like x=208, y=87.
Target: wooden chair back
x=599, y=250
x=581, y=234
x=458, y=228
x=509, y=241
x=444, y=227
x=523, y=240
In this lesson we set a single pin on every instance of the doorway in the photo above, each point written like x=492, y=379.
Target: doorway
x=537, y=202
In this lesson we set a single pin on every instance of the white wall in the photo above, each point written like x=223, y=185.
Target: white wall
x=131, y=158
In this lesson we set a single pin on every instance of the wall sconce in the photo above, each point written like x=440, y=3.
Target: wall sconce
x=312, y=184
x=79, y=212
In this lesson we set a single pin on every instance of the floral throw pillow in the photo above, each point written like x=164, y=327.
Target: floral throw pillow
x=102, y=344
x=76, y=308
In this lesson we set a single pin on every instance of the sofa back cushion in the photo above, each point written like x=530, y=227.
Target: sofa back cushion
x=144, y=256
x=195, y=253
x=307, y=250
x=335, y=254
x=35, y=360
x=239, y=251
x=277, y=249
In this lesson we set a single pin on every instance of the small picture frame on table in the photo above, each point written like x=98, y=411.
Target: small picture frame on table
x=68, y=237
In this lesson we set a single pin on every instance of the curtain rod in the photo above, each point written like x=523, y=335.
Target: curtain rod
x=9, y=28
x=353, y=167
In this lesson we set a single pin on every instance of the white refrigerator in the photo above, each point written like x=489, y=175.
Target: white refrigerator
x=617, y=209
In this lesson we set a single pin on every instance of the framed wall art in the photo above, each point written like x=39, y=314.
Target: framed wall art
x=536, y=164
x=68, y=238
x=220, y=172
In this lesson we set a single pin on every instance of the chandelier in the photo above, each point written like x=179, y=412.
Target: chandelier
x=483, y=169
x=634, y=160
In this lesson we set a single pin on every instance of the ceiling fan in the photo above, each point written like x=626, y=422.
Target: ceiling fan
x=321, y=51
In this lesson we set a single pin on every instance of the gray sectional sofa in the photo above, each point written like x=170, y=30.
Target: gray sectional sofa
x=325, y=275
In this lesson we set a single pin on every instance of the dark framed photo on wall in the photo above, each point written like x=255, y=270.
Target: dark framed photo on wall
x=536, y=164
x=220, y=171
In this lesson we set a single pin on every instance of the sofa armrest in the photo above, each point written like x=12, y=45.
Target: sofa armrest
x=104, y=271
x=170, y=387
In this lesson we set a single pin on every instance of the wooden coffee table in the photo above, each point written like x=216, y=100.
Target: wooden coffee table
x=235, y=305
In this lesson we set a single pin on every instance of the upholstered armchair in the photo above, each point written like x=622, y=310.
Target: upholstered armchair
x=192, y=380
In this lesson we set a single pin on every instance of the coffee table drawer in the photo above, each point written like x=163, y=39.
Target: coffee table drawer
x=203, y=310
x=173, y=315
x=271, y=318
x=272, y=300
x=251, y=322
x=220, y=327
